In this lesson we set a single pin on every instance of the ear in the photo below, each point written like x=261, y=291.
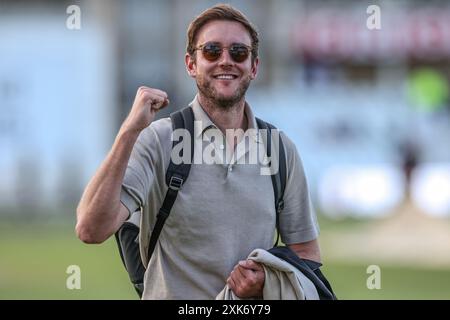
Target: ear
x=255, y=68
x=190, y=65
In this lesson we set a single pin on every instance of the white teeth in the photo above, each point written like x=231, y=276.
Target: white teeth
x=225, y=77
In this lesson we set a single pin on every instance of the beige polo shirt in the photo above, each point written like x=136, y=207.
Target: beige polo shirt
x=223, y=212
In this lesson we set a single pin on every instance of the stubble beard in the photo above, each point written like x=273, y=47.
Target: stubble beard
x=207, y=89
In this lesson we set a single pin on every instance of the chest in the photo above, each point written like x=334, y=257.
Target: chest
x=218, y=199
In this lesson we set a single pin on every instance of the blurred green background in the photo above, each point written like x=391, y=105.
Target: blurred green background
x=35, y=258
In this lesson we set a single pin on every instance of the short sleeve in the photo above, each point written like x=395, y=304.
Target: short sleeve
x=298, y=221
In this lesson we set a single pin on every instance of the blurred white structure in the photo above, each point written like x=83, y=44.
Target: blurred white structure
x=57, y=106
x=360, y=191
x=430, y=188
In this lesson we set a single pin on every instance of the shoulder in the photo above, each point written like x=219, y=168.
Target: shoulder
x=161, y=130
x=161, y=127
x=293, y=159
x=155, y=141
x=288, y=144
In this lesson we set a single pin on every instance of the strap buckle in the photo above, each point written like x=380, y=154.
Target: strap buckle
x=175, y=183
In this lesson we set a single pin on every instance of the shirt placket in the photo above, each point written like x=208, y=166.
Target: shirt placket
x=218, y=144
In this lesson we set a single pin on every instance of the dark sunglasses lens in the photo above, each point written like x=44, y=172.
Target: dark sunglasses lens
x=239, y=53
x=211, y=52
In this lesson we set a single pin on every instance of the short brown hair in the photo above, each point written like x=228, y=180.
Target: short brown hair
x=220, y=12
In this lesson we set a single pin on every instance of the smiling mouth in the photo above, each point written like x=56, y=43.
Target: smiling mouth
x=225, y=77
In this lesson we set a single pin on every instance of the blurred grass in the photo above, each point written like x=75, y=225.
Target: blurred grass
x=349, y=282
x=34, y=259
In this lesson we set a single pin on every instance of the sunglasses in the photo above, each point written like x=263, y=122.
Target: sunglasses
x=212, y=51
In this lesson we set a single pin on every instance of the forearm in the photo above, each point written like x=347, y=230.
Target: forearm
x=98, y=213
x=308, y=250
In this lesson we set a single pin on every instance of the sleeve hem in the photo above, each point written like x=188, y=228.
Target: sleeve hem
x=300, y=237
x=128, y=201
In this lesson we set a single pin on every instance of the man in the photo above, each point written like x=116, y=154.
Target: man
x=223, y=211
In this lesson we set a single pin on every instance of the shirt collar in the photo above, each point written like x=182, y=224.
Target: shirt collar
x=206, y=122
x=202, y=116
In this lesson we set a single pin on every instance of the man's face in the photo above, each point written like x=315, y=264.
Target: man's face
x=225, y=92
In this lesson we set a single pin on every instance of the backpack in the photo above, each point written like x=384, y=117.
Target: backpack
x=309, y=268
x=127, y=236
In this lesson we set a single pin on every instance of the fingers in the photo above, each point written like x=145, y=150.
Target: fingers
x=231, y=284
x=159, y=103
x=246, y=282
x=250, y=265
x=166, y=103
x=153, y=91
x=236, y=282
x=147, y=103
x=155, y=97
x=237, y=276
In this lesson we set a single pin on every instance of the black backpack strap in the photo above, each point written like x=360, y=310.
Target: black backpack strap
x=279, y=178
x=176, y=174
x=309, y=268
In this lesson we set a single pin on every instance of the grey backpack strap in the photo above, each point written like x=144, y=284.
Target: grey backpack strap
x=176, y=174
x=279, y=178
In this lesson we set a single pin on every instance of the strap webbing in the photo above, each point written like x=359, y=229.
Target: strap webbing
x=279, y=177
x=176, y=174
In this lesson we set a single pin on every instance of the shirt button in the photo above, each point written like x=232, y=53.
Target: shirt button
x=222, y=147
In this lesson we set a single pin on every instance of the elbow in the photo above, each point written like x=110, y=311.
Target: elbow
x=87, y=233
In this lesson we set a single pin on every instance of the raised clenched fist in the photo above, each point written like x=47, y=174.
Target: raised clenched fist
x=146, y=103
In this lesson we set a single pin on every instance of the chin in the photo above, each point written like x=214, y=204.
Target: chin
x=232, y=96
x=226, y=95
x=228, y=92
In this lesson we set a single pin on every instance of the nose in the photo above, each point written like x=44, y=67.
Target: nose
x=225, y=59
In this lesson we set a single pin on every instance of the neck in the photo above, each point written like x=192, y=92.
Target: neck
x=232, y=117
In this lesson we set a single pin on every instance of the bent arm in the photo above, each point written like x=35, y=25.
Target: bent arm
x=100, y=212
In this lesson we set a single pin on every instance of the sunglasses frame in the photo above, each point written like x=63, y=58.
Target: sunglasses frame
x=222, y=48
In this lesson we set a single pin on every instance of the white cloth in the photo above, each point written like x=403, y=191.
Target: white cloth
x=282, y=280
